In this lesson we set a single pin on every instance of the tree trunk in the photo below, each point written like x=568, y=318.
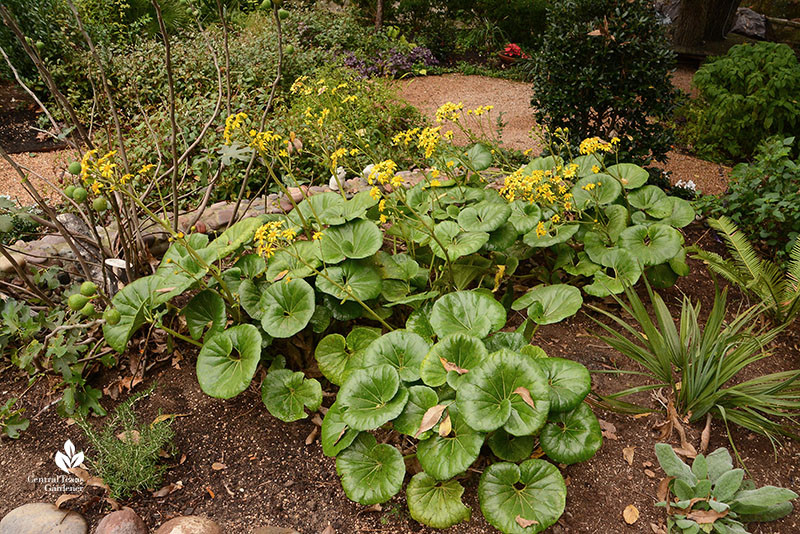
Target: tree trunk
x=691, y=24
x=379, y=15
x=720, y=17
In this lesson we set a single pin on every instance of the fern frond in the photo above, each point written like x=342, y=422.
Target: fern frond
x=742, y=252
x=725, y=268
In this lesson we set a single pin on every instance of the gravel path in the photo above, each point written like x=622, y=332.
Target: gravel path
x=512, y=103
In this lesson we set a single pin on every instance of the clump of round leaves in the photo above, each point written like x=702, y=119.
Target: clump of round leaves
x=510, y=448
x=467, y=312
x=550, y=304
x=335, y=434
x=444, y=457
x=287, y=394
x=402, y=349
x=435, y=503
x=508, y=390
x=227, y=362
x=370, y=473
x=569, y=382
x=451, y=358
x=287, y=307
x=533, y=491
x=571, y=437
x=372, y=397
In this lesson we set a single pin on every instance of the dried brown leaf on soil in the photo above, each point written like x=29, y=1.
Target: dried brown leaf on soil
x=218, y=466
x=430, y=418
x=165, y=416
x=64, y=498
x=649, y=473
x=663, y=489
x=328, y=530
x=88, y=479
x=168, y=489
x=312, y=435
x=706, y=435
x=630, y=514
x=129, y=436
x=609, y=430
x=628, y=453
x=524, y=523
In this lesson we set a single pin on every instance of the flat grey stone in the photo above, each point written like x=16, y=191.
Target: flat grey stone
x=41, y=518
x=189, y=524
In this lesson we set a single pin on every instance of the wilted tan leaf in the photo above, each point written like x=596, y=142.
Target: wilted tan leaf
x=317, y=420
x=706, y=517
x=649, y=473
x=340, y=435
x=526, y=396
x=328, y=530
x=627, y=453
x=524, y=523
x=281, y=275
x=168, y=489
x=706, y=435
x=609, y=430
x=312, y=435
x=129, y=436
x=64, y=498
x=113, y=503
x=630, y=514
x=594, y=33
x=164, y=416
x=430, y=418
x=218, y=466
x=663, y=489
x=445, y=427
x=449, y=366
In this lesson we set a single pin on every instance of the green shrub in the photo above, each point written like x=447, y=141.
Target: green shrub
x=127, y=454
x=712, y=496
x=763, y=197
x=604, y=69
x=747, y=95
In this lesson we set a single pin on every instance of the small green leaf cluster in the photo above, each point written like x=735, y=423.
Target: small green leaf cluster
x=604, y=67
x=763, y=197
x=126, y=454
x=749, y=94
x=11, y=420
x=16, y=222
x=712, y=496
x=453, y=382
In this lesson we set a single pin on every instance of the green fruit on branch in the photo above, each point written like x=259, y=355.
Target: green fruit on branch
x=69, y=190
x=88, y=310
x=100, y=204
x=77, y=301
x=79, y=194
x=288, y=50
x=278, y=3
x=39, y=46
x=283, y=14
x=74, y=168
x=266, y=5
x=112, y=316
x=88, y=289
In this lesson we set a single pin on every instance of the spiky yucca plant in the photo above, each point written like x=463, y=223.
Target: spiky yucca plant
x=760, y=278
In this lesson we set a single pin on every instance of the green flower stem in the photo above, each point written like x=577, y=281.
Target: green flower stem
x=173, y=333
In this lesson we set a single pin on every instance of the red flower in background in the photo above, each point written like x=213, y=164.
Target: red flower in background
x=513, y=50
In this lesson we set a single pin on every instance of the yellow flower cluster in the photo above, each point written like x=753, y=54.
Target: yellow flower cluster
x=545, y=187
x=262, y=140
x=592, y=145
x=233, y=123
x=272, y=236
x=449, y=112
x=480, y=110
x=427, y=139
x=383, y=173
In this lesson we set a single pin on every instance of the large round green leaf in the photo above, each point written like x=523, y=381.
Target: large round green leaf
x=524, y=216
x=286, y=394
x=597, y=189
x=651, y=245
x=371, y=473
x=361, y=278
x=533, y=491
x=335, y=434
x=646, y=197
x=616, y=220
x=497, y=394
x=354, y=240
x=553, y=236
x=629, y=175
x=337, y=357
x=502, y=239
x=546, y=163
x=358, y=205
x=287, y=306
x=205, y=309
x=479, y=157
x=223, y=373
x=456, y=241
x=434, y=503
x=298, y=260
x=323, y=209
x=372, y=397
x=588, y=164
x=571, y=437
x=419, y=323
x=513, y=341
x=459, y=352
x=569, y=382
x=402, y=349
x=510, y=448
x=443, y=457
x=598, y=248
x=627, y=272
x=420, y=400
x=484, y=216
x=681, y=213
x=468, y=312
x=555, y=303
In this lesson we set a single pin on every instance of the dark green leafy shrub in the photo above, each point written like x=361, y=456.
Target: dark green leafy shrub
x=747, y=95
x=763, y=197
x=604, y=69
